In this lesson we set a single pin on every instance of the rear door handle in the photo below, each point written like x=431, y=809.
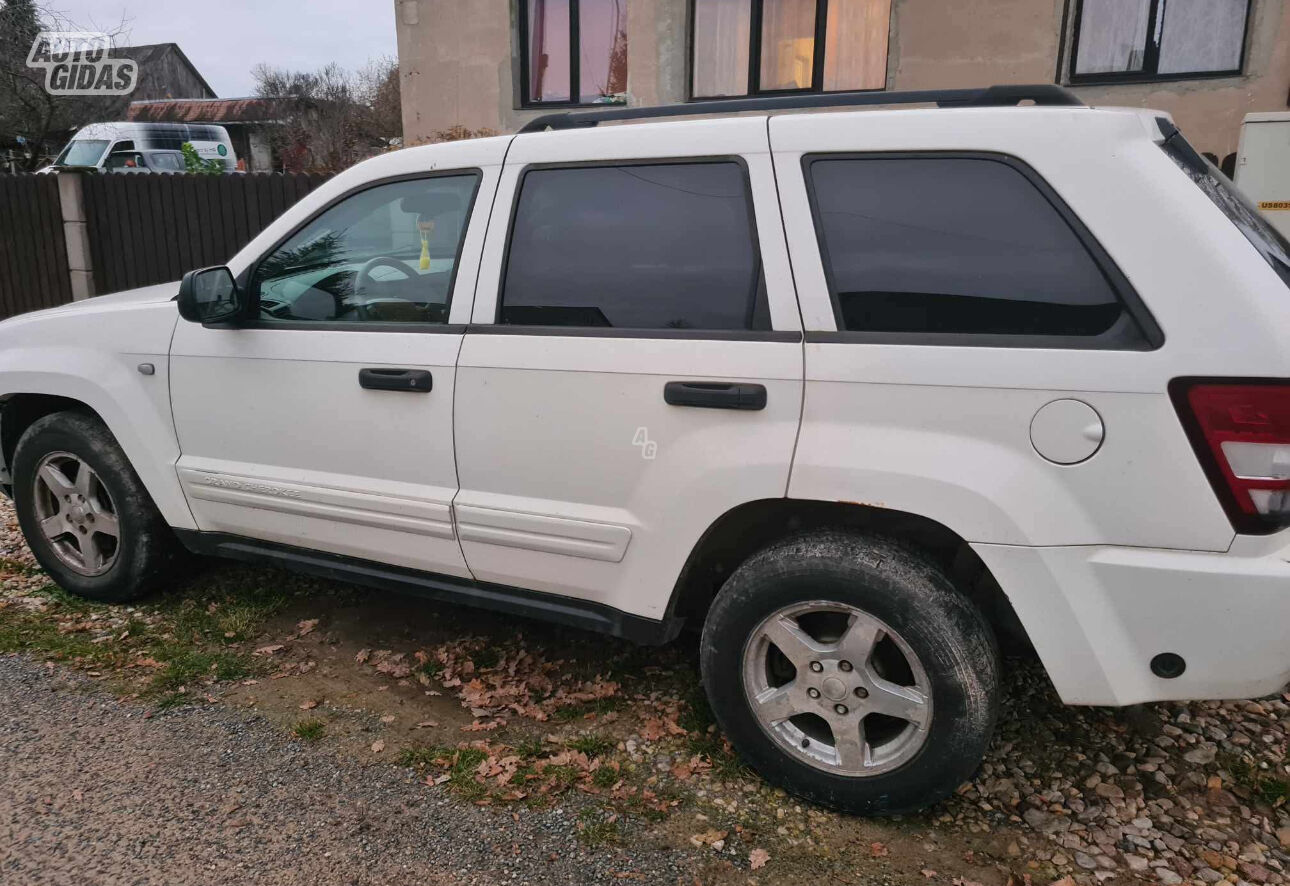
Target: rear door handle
x=416, y=381
x=715, y=395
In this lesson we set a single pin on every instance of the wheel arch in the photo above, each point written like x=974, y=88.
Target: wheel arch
x=747, y=528
x=18, y=412
x=151, y=454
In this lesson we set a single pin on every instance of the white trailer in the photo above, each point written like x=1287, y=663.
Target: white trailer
x=1263, y=165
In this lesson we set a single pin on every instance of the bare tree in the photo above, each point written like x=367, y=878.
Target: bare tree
x=27, y=110
x=331, y=118
x=380, y=90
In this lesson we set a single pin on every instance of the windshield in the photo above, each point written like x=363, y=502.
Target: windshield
x=1225, y=195
x=85, y=152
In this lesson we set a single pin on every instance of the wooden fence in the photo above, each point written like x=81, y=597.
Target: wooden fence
x=33, y=249
x=146, y=229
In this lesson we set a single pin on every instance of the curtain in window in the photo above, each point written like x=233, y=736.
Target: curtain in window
x=787, y=44
x=1201, y=35
x=602, y=34
x=1113, y=36
x=722, y=31
x=855, y=49
x=549, y=74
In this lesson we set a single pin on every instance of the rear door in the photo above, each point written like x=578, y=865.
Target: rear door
x=634, y=365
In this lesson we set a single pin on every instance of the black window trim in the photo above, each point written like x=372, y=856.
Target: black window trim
x=526, y=102
x=1151, y=58
x=497, y=327
x=253, y=320
x=1153, y=336
x=754, y=57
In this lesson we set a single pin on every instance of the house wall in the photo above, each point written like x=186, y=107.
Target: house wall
x=460, y=61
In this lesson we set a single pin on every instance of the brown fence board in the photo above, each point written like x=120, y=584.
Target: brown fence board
x=143, y=229
x=147, y=229
x=33, y=251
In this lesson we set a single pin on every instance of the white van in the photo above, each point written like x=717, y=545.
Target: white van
x=151, y=146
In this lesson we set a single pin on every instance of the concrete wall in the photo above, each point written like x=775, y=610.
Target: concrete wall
x=460, y=61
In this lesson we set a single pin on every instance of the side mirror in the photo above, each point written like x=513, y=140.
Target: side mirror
x=210, y=295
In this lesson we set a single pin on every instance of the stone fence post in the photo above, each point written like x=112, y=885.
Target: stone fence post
x=71, y=198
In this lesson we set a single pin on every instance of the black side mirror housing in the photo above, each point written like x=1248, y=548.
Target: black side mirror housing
x=211, y=295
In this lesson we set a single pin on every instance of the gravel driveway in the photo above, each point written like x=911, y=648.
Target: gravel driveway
x=94, y=792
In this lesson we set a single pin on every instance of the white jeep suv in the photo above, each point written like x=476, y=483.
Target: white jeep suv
x=856, y=393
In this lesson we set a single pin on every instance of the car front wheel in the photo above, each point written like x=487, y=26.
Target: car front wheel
x=849, y=671
x=86, y=515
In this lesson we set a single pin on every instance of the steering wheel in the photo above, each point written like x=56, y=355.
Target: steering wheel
x=364, y=278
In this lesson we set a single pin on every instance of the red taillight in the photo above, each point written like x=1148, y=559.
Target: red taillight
x=1241, y=432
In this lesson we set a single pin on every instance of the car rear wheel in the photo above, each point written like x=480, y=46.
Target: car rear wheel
x=86, y=515
x=849, y=671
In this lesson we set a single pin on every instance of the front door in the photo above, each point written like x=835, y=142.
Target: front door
x=327, y=422
x=634, y=369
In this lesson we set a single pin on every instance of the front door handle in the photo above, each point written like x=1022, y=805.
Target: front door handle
x=416, y=381
x=715, y=395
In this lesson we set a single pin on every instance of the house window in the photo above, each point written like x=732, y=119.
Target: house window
x=573, y=51
x=750, y=47
x=1128, y=40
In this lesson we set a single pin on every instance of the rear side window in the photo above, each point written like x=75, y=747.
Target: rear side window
x=640, y=246
x=959, y=245
x=1236, y=206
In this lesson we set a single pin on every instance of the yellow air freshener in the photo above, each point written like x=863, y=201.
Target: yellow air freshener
x=426, y=228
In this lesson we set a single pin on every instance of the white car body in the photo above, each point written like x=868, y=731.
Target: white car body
x=550, y=463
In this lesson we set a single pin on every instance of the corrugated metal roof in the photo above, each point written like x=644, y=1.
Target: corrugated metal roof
x=220, y=110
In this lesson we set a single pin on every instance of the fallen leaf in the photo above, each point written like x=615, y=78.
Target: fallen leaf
x=928, y=873
x=427, y=724
x=363, y=656
x=1067, y=880
x=378, y=746
x=877, y=850
x=308, y=705
x=388, y=718
x=757, y=859
x=269, y=650
x=307, y=626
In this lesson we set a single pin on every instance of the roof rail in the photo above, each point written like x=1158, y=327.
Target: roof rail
x=990, y=96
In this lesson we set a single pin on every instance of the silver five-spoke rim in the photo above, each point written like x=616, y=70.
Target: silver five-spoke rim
x=837, y=688
x=76, y=514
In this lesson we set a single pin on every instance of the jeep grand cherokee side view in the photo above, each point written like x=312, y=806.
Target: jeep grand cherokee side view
x=856, y=393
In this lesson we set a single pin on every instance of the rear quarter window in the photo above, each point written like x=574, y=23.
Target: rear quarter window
x=959, y=249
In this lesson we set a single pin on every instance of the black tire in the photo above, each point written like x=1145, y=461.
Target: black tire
x=908, y=592
x=146, y=547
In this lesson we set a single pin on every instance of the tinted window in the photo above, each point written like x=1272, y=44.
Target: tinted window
x=386, y=255
x=642, y=247
x=954, y=245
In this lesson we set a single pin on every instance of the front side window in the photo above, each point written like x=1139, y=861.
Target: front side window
x=574, y=51
x=1158, y=39
x=748, y=47
x=384, y=255
x=956, y=245
x=641, y=246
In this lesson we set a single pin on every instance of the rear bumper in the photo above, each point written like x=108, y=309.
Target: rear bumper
x=1098, y=615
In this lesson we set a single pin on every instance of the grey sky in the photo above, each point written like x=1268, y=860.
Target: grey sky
x=226, y=38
